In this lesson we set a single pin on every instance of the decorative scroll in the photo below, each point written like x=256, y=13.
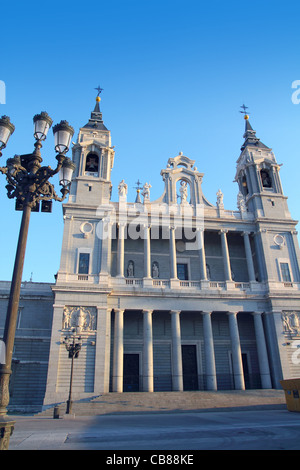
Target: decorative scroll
x=80, y=318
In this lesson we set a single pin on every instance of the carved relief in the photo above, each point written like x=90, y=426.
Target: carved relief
x=291, y=322
x=81, y=318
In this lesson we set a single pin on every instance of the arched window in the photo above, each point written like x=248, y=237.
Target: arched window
x=92, y=163
x=244, y=186
x=266, y=179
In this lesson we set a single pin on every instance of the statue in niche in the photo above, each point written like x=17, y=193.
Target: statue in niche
x=183, y=192
x=155, y=270
x=241, y=202
x=220, y=198
x=146, y=191
x=208, y=275
x=122, y=188
x=130, y=269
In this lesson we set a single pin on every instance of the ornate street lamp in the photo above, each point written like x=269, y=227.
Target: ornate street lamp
x=73, y=345
x=28, y=182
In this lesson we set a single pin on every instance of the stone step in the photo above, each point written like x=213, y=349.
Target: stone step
x=143, y=402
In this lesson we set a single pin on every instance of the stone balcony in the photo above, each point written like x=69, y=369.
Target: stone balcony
x=134, y=284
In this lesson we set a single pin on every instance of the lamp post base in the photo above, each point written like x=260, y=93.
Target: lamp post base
x=6, y=429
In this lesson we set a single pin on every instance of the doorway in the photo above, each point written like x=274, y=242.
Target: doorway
x=189, y=367
x=131, y=373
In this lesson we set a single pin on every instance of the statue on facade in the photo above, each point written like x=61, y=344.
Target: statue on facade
x=146, y=192
x=122, y=188
x=155, y=270
x=130, y=269
x=241, y=203
x=183, y=192
x=220, y=198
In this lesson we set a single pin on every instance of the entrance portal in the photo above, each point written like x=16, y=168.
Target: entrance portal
x=189, y=367
x=131, y=377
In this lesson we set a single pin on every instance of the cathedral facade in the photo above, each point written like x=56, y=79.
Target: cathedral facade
x=177, y=293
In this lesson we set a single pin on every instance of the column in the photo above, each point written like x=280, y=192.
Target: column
x=251, y=272
x=104, y=232
x=202, y=259
x=147, y=352
x=262, y=351
x=211, y=376
x=147, y=252
x=177, y=376
x=118, y=351
x=237, y=364
x=120, y=255
x=173, y=259
x=225, y=253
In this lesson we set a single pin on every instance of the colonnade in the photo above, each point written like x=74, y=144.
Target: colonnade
x=177, y=370
x=173, y=256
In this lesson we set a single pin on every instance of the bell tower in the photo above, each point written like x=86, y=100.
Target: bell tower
x=258, y=177
x=94, y=158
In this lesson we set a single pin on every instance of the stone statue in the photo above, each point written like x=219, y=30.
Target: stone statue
x=241, y=203
x=122, y=188
x=146, y=191
x=220, y=198
x=155, y=270
x=183, y=191
x=130, y=269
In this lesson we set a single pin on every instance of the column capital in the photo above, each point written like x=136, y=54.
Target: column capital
x=147, y=310
x=245, y=232
x=174, y=311
x=257, y=313
x=119, y=310
x=232, y=313
x=223, y=230
x=206, y=313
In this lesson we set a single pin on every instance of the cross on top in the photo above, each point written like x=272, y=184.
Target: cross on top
x=138, y=184
x=99, y=90
x=244, y=109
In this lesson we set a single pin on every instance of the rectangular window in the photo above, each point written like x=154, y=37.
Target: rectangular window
x=182, y=271
x=84, y=263
x=285, y=272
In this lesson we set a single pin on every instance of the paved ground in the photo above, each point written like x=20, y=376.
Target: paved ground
x=253, y=429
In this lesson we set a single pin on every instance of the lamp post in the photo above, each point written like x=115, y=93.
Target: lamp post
x=28, y=182
x=73, y=346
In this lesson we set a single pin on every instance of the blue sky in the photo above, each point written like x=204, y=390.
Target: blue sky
x=174, y=74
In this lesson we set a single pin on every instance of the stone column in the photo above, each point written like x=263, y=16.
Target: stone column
x=211, y=376
x=173, y=258
x=177, y=376
x=106, y=237
x=251, y=272
x=148, y=352
x=225, y=253
x=237, y=364
x=118, y=357
x=262, y=351
x=147, y=252
x=102, y=353
x=202, y=259
x=120, y=255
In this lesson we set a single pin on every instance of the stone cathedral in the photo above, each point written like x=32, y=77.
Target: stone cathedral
x=178, y=293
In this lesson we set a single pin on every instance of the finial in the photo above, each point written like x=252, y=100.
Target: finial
x=138, y=186
x=99, y=89
x=246, y=115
